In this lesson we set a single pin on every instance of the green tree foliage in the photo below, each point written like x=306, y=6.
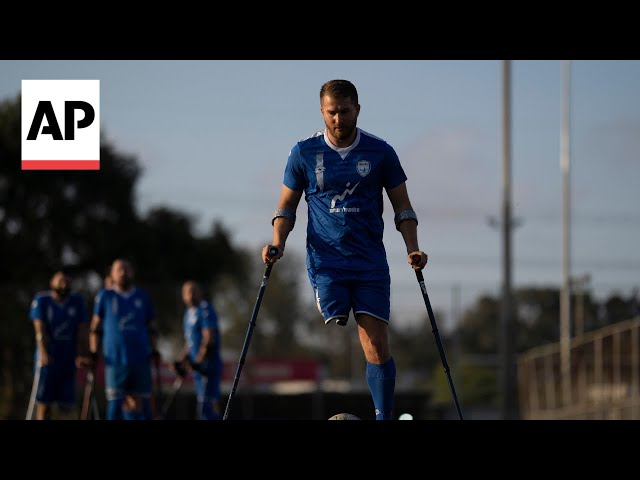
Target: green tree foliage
x=537, y=318
x=613, y=310
x=479, y=327
x=414, y=349
x=50, y=218
x=474, y=385
x=284, y=318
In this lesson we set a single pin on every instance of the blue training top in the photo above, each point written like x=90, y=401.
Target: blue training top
x=125, y=318
x=61, y=322
x=195, y=319
x=343, y=190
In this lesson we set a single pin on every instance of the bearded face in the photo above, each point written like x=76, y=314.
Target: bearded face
x=61, y=284
x=122, y=274
x=341, y=118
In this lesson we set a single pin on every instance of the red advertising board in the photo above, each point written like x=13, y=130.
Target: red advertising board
x=255, y=371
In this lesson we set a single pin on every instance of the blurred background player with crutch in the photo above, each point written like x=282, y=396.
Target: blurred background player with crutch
x=201, y=351
x=125, y=318
x=60, y=321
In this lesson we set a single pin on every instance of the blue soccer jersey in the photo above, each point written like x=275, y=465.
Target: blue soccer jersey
x=195, y=319
x=343, y=189
x=125, y=318
x=61, y=322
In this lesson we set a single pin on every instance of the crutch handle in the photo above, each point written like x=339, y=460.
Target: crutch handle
x=415, y=260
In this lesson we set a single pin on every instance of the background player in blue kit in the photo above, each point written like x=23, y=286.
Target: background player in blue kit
x=343, y=170
x=125, y=317
x=201, y=350
x=60, y=321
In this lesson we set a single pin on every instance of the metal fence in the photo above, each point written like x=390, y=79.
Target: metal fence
x=603, y=383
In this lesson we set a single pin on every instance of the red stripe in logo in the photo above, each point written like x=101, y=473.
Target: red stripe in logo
x=60, y=164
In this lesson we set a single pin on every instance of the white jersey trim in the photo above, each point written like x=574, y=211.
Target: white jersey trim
x=343, y=152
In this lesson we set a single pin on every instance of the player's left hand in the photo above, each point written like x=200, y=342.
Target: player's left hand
x=155, y=357
x=197, y=367
x=84, y=361
x=267, y=258
x=413, y=257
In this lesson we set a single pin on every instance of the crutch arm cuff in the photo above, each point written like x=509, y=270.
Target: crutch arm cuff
x=403, y=215
x=286, y=213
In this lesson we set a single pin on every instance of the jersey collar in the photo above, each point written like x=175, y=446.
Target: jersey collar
x=343, y=152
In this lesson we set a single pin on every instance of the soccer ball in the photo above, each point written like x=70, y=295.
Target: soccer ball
x=344, y=416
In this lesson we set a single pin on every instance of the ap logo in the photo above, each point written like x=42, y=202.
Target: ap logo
x=60, y=124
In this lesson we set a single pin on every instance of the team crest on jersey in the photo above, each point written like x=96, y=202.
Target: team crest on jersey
x=71, y=311
x=138, y=303
x=363, y=167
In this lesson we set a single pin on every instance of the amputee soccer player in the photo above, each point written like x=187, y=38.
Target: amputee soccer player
x=201, y=350
x=343, y=171
x=60, y=321
x=125, y=318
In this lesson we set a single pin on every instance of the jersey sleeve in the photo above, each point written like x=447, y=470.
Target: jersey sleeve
x=35, y=311
x=209, y=317
x=393, y=172
x=294, y=176
x=99, y=304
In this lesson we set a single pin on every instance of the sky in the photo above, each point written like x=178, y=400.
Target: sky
x=213, y=136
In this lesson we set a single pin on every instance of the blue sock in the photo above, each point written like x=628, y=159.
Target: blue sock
x=381, y=379
x=130, y=415
x=146, y=409
x=208, y=411
x=114, y=409
x=144, y=414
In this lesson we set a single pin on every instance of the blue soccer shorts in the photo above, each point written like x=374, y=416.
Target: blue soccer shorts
x=206, y=382
x=207, y=388
x=121, y=380
x=338, y=292
x=57, y=384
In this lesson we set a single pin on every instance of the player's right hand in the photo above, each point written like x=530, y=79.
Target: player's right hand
x=180, y=369
x=267, y=258
x=155, y=357
x=86, y=361
x=44, y=359
x=198, y=367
